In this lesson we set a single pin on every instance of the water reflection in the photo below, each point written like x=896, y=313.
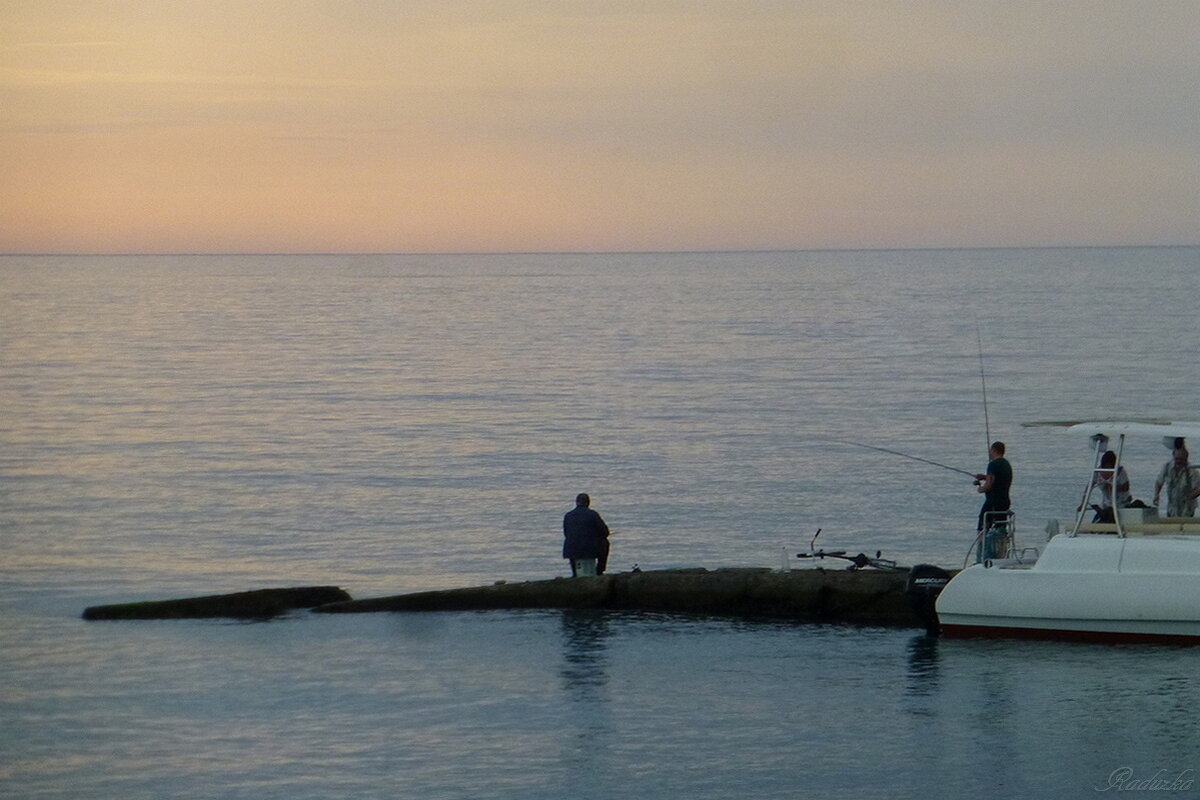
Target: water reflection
x=1071, y=714
x=585, y=659
x=922, y=666
x=585, y=682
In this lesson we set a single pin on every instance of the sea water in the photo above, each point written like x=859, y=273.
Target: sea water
x=172, y=426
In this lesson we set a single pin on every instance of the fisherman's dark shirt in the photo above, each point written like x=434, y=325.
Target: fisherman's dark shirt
x=996, y=498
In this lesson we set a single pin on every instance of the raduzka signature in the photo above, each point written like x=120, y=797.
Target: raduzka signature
x=1124, y=780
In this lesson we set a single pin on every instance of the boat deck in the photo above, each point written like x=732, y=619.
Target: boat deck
x=1162, y=525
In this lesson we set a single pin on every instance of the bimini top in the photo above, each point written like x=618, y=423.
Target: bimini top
x=1124, y=427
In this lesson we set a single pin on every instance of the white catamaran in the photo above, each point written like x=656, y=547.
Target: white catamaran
x=1135, y=578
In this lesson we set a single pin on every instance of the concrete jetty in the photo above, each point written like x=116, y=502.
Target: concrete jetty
x=256, y=604
x=872, y=597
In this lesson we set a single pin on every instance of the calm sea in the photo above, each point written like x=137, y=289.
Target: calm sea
x=172, y=426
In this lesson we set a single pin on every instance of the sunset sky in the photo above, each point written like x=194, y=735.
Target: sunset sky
x=579, y=125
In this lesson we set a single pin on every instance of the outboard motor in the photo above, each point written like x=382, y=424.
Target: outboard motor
x=925, y=582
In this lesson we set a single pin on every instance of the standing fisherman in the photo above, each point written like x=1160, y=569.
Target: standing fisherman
x=994, y=486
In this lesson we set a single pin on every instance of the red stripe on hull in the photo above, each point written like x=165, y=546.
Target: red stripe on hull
x=1109, y=637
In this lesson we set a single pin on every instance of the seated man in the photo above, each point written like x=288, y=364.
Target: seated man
x=1103, y=480
x=585, y=535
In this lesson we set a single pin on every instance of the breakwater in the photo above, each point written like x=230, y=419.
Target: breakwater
x=865, y=597
x=860, y=596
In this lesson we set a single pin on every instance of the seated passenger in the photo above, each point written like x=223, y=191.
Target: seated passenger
x=1103, y=480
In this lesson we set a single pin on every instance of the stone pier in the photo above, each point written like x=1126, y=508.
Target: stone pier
x=870, y=597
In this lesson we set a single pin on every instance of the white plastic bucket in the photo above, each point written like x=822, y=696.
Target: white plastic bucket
x=585, y=567
x=1137, y=515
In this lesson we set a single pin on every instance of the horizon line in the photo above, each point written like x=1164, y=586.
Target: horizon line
x=751, y=250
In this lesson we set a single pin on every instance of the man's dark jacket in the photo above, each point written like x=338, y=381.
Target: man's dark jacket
x=584, y=534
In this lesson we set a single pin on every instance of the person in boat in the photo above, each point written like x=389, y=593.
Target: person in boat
x=1102, y=479
x=1183, y=484
x=994, y=485
x=585, y=535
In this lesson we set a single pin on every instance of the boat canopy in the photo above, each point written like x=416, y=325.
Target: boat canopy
x=1123, y=427
x=1100, y=431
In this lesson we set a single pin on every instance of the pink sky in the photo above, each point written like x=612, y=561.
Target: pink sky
x=447, y=126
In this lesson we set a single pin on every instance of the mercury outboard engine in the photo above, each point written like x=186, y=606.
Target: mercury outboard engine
x=925, y=583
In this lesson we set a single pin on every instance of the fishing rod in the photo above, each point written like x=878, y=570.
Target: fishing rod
x=856, y=562
x=905, y=455
x=987, y=428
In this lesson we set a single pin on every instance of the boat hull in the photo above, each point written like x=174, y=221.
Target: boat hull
x=1083, y=588
x=1117, y=632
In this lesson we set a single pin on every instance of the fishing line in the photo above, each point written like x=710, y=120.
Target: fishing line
x=903, y=455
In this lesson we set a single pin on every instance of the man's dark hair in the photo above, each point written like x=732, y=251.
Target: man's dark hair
x=582, y=499
x=998, y=447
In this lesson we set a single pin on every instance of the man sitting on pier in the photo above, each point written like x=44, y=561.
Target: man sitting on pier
x=585, y=535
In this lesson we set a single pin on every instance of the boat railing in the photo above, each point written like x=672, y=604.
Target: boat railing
x=997, y=539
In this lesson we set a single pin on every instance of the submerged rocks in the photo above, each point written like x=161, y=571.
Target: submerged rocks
x=260, y=603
